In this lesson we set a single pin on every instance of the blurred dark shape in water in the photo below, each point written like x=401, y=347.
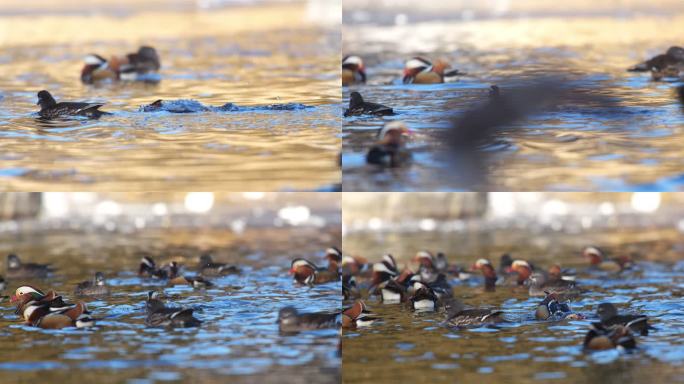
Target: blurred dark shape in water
x=479, y=126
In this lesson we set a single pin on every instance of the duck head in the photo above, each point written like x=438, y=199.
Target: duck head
x=424, y=258
x=676, y=53
x=13, y=261
x=394, y=133
x=206, y=259
x=488, y=272
x=99, y=279
x=351, y=265
x=147, y=55
x=26, y=292
x=523, y=269
x=555, y=272
x=147, y=265
x=153, y=303
x=355, y=64
x=45, y=100
x=173, y=270
x=382, y=272
x=287, y=316
x=333, y=254
x=593, y=254
x=303, y=270
x=355, y=100
x=413, y=67
x=441, y=262
x=91, y=64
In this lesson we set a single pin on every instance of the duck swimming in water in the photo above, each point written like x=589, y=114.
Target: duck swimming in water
x=358, y=107
x=353, y=70
x=50, y=108
x=673, y=56
x=419, y=70
x=139, y=66
x=390, y=149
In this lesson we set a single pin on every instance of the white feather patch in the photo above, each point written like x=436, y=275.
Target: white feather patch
x=416, y=63
x=353, y=60
x=381, y=267
x=424, y=305
x=390, y=296
x=128, y=76
x=93, y=60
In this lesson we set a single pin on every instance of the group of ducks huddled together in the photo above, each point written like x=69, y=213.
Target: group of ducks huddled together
x=48, y=310
x=428, y=288
x=390, y=150
x=307, y=273
x=140, y=66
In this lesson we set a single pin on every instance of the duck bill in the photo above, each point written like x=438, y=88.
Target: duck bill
x=13, y=299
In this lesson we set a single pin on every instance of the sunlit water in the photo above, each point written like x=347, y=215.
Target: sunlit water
x=415, y=347
x=244, y=55
x=237, y=341
x=633, y=144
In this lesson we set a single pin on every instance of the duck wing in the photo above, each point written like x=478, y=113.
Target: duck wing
x=184, y=318
x=318, y=320
x=89, y=107
x=377, y=109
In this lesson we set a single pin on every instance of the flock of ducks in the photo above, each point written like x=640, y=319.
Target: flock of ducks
x=390, y=150
x=140, y=66
x=417, y=70
x=48, y=310
x=428, y=288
